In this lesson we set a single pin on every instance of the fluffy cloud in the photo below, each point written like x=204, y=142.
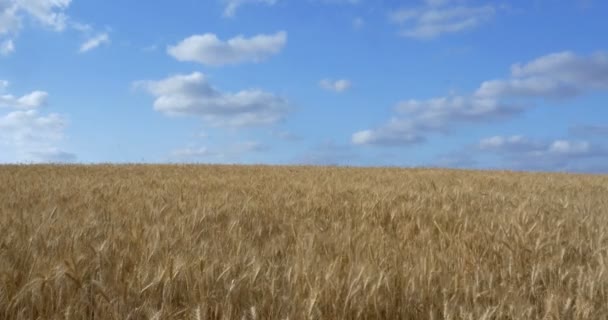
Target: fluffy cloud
x=519, y=152
x=31, y=100
x=10, y=21
x=419, y=117
x=28, y=135
x=209, y=50
x=22, y=127
x=397, y=132
x=552, y=76
x=49, y=13
x=233, y=5
x=436, y=17
x=95, y=42
x=335, y=85
x=192, y=94
x=516, y=143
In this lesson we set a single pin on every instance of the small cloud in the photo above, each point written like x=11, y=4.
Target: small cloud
x=32, y=100
x=335, y=86
x=520, y=152
x=7, y=47
x=186, y=153
x=207, y=49
x=437, y=18
x=233, y=5
x=516, y=143
x=192, y=94
x=416, y=118
x=82, y=27
x=394, y=134
x=554, y=76
x=95, y=42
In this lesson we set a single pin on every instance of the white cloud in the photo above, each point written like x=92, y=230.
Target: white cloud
x=233, y=5
x=25, y=133
x=95, y=42
x=209, y=50
x=193, y=95
x=51, y=14
x=552, y=76
x=565, y=147
x=196, y=152
x=31, y=100
x=395, y=133
x=335, y=85
x=10, y=21
x=420, y=117
x=516, y=143
x=82, y=27
x=7, y=47
x=31, y=136
x=436, y=18
x=520, y=146
x=520, y=152
x=20, y=126
x=438, y=112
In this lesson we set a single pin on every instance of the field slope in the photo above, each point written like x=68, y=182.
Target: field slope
x=256, y=242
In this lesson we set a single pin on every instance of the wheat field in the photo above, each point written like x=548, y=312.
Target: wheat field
x=263, y=242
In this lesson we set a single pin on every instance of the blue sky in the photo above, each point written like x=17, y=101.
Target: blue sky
x=516, y=85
